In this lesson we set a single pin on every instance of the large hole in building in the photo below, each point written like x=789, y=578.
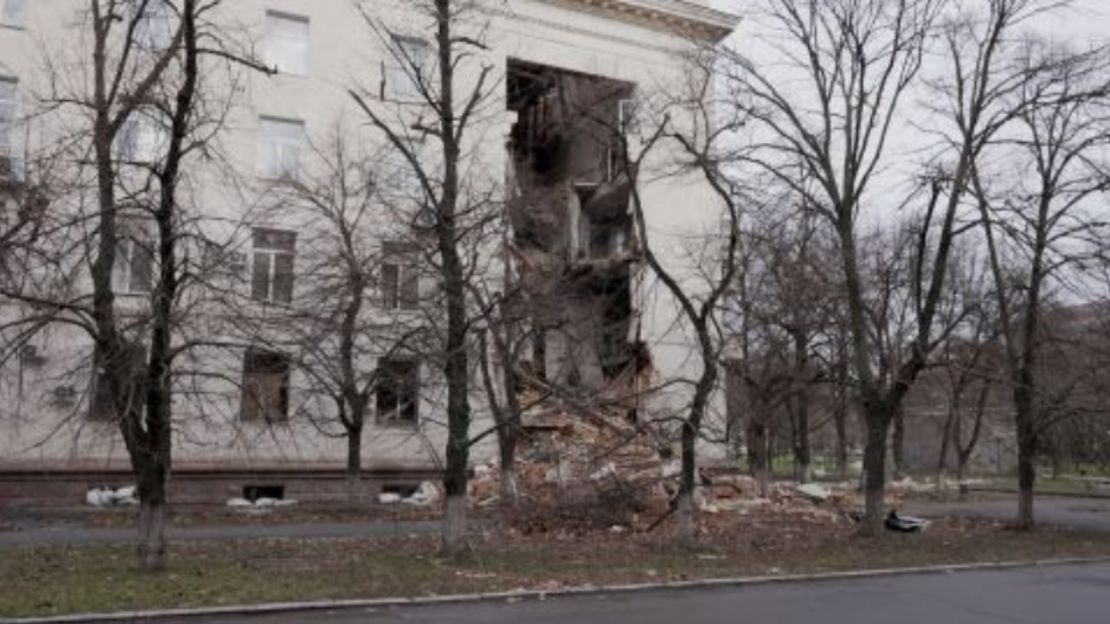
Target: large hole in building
x=572, y=225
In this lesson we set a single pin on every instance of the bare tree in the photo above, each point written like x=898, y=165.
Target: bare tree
x=1039, y=229
x=146, y=66
x=857, y=62
x=449, y=86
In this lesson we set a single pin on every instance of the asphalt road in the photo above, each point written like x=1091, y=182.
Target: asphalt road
x=1078, y=594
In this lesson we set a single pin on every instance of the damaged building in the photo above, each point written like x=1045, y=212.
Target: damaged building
x=572, y=73
x=572, y=228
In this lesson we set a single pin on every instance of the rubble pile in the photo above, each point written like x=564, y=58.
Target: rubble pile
x=587, y=467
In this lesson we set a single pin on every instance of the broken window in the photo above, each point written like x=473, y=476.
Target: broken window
x=272, y=272
x=265, y=395
x=400, y=277
x=403, y=70
x=133, y=268
x=398, y=390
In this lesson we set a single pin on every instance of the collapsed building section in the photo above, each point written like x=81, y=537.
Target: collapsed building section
x=572, y=228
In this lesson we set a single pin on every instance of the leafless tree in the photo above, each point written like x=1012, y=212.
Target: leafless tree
x=1038, y=225
x=858, y=63
x=451, y=83
x=145, y=59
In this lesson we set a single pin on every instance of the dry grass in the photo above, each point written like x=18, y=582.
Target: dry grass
x=47, y=581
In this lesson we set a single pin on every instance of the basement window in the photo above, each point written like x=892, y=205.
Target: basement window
x=255, y=492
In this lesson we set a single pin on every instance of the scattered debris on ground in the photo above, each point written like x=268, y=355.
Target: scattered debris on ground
x=426, y=494
x=111, y=497
x=905, y=524
x=263, y=504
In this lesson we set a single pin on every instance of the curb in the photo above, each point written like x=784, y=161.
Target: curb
x=539, y=595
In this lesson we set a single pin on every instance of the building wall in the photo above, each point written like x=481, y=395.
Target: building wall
x=40, y=433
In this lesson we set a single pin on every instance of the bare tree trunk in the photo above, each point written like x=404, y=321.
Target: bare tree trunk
x=354, y=464
x=1027, y=469
x=758, y=460
x=840, y=420
x=945, y=442
x=874, y=471
x=152, y=519
x=961, y=472
x=899, y=444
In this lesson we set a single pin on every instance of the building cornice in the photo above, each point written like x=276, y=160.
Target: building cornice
x=677, y=16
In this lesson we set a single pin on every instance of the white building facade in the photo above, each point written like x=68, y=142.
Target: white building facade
x=244, y=417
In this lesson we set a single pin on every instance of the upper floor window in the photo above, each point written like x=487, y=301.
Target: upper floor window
x=279, y=147
x=155, y=27
x=8, y=95
x=403, y=72
x=286, y=42
x=13, y=13
x=144, y=137
x=133, y=268
x=272, y=271
x=400, y=277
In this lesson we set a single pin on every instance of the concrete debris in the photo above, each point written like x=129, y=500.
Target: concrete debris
x=263, y=503
x=582, y=464
x=905, y=524
x=815, y=491
x=426, y=494
x=111, y=497
x=389, y=498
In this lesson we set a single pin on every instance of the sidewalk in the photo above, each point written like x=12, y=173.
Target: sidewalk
x=60, y=536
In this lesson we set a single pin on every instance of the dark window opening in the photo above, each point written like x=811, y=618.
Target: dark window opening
x=265, y=386
x=255, y=492
x=398, y=391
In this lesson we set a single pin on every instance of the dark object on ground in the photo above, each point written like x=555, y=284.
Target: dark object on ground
x=905, y=524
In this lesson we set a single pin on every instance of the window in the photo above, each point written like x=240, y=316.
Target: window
x=133, y=268
x=286, y=44
x=155, y=28
x=398, y=390
x=279, y=147
x=404, y=67
x=400, y=277
x=265, y=386
x=143, y=139
x=13, y=13
x=8, y=95
x=272, y=271
x=102, y=405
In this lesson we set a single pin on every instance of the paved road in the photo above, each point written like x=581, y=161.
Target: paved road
x=1092, y=514
x=57, y=536
x=1059, y=595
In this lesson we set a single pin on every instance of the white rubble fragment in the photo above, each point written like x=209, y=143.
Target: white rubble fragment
x=389, y=498
x=239, y=502
x=109, y=497
x=814, y=491
x=426, y=494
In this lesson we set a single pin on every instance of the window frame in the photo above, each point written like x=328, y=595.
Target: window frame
x=402, y=291
x=304, y=61
x=270, y=159
x=394, y=417
x=272, y=252
x=14, y=18
x=9, y=117
x=125, y=251
x=284, y=369
x=405, y=64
